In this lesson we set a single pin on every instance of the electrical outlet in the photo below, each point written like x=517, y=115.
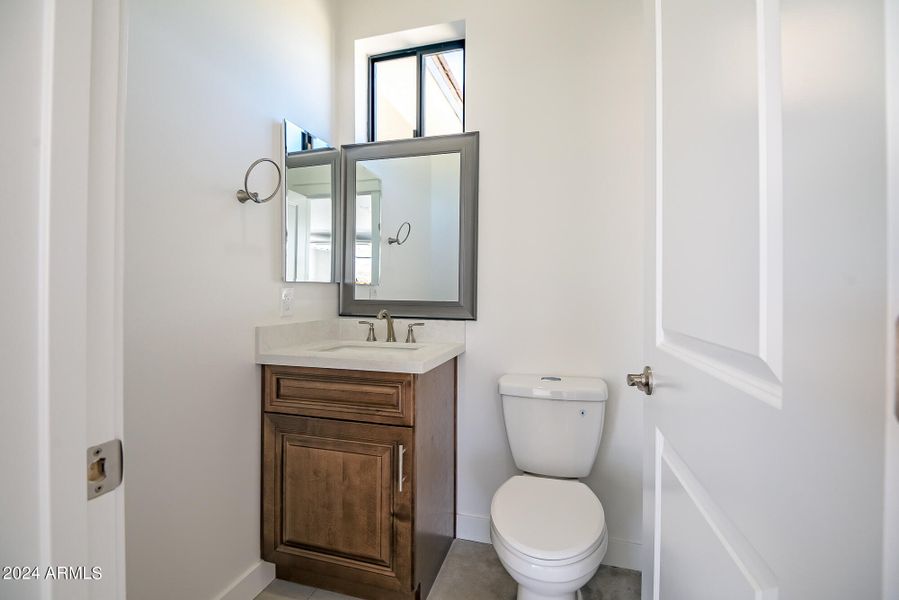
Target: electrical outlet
x=287, y=302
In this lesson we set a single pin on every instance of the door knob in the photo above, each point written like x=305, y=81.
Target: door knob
x=642, y=381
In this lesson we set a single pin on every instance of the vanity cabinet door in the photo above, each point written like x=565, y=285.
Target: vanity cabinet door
x=333, y=510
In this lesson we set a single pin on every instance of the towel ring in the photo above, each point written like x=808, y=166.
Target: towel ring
x=396, y=240
x=244, y=194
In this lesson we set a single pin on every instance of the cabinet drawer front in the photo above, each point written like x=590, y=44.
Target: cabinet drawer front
x=336, y=394
x=331, y=501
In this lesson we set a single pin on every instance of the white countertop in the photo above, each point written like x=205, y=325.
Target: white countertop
x=339, y=344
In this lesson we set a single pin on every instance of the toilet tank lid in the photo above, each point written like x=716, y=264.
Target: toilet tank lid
x=557, y=387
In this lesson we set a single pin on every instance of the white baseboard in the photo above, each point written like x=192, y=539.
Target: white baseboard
x=621, y=553
x=624, y=553
x=254, y=580
x=471, y=527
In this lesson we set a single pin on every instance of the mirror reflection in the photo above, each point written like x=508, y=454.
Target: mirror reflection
x=309, y=217
x=310, y=176
x=297, y=139
x=407, y=228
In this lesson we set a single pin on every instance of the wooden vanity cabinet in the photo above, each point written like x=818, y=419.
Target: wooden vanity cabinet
x=358, y=478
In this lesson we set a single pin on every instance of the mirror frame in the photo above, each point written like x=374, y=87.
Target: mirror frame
x=465, y=308
x=313, y=158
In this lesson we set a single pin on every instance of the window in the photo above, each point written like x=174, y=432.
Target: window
x=416, y=92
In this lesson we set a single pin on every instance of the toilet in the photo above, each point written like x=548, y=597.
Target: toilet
x=548, y=528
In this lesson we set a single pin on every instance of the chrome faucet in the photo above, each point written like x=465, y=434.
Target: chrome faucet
x=391, y=334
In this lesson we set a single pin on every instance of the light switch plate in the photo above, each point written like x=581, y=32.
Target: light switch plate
x=287, y=302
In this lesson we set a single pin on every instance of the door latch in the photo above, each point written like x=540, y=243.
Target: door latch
x=104, y=468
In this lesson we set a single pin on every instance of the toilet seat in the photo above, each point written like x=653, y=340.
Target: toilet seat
x=548, y=522
x=524, y=562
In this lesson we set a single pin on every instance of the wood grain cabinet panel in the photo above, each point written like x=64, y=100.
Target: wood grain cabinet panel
x=339, y=394
x=336, y=503
x=334, y=513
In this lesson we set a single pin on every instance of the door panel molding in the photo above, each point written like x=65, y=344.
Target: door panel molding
x=748, y=373
x=758, y=577
x=758, y=372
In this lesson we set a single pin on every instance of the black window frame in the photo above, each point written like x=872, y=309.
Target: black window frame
x=419, y=52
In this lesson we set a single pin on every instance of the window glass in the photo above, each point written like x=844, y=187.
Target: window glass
x=417, y=91
x=443, y=95
x=395, y=93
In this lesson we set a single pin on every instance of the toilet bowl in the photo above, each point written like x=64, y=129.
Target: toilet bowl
x=549, y=534
x=547, y=528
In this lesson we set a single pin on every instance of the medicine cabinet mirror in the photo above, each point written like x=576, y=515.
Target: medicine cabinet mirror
x=410, y=230
x=311, y=207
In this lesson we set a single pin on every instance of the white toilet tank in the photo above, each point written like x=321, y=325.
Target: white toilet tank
x=554, y=424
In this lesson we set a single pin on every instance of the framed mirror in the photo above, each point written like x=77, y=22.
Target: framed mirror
x=311, y=207
x=410, y=227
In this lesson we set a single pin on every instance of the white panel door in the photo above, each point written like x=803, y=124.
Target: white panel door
x=765, y=298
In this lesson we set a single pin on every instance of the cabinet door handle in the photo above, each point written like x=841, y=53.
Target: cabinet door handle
x=400, y=477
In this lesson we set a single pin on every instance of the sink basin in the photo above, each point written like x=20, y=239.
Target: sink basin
x=322, y=345
x=368, y=348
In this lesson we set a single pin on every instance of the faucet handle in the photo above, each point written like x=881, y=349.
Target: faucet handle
x=371, y=331
x=410, y=334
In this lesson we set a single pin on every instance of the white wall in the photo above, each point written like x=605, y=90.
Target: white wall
x=20, y=69
x=556, y=89
x=891, y=484
x=207, y=86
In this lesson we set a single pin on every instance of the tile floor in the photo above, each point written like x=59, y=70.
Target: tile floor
x=473, y=572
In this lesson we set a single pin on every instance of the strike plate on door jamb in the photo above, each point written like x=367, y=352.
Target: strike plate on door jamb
x=104, y=468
